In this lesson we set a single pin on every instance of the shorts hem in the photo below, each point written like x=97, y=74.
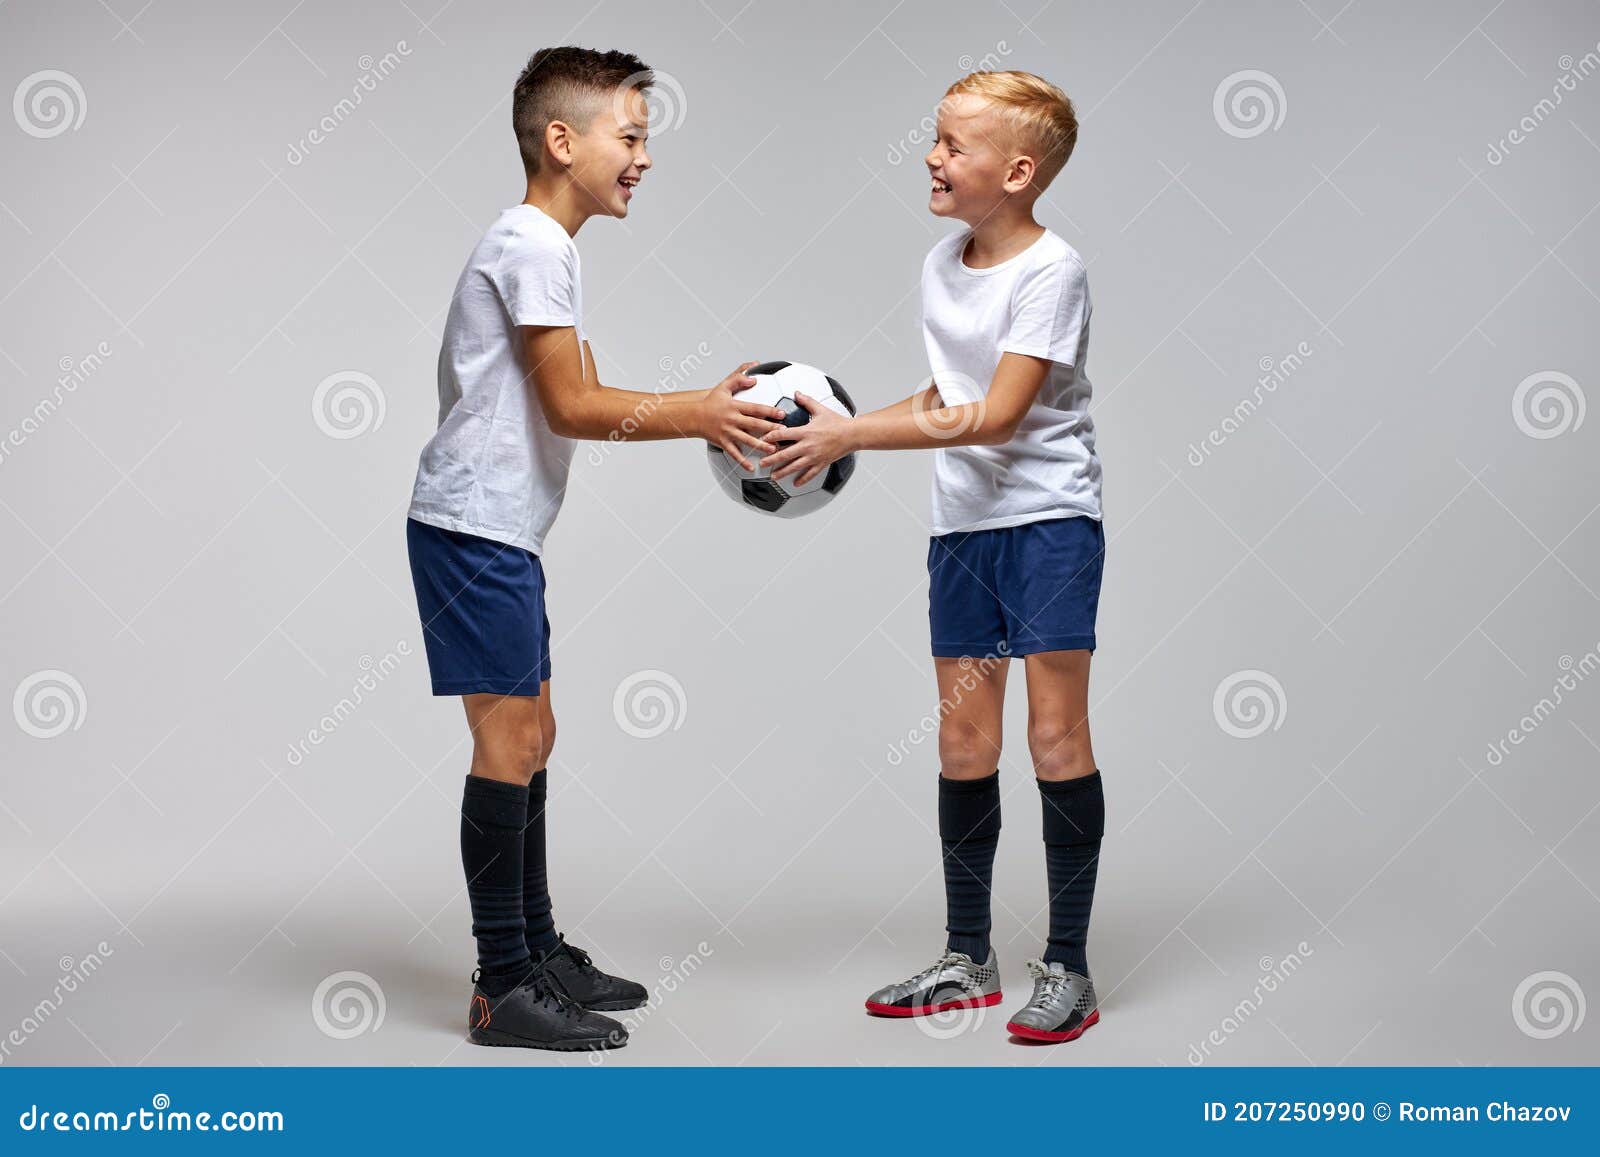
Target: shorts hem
x=1005, y=649
x=999, y=648
x=522, y=687
x=1055, y=643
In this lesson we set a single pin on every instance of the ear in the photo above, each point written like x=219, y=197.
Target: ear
x=558, y=142
x=1020, y=174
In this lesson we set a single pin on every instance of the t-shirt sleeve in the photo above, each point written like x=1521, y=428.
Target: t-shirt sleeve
x=537, y=279
x=1049, y=311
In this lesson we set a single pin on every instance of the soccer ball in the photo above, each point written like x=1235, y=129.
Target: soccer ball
x=776, y=383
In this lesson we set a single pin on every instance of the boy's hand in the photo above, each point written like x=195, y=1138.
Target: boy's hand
x=811, y=448
x=725, y=421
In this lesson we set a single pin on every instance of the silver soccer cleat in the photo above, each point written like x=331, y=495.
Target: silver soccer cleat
x=955, y=980
x=1062, y=1007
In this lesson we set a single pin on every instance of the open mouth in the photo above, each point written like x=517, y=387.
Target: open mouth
x=940, y=186
x=628, y=184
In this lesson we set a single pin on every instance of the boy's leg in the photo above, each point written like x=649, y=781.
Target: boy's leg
x=1074, y=803
x=506, y=738
x=541, y=927
x=972, y=704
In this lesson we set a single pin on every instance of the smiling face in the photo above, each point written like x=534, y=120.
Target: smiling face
x=972, y=165
x=609, y=157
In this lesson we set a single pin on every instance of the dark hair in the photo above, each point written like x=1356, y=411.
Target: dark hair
x=560, y=84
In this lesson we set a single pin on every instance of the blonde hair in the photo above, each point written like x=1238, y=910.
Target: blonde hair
x=1036, y=111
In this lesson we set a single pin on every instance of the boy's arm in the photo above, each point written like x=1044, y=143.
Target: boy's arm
x=920, y=422
x=577, y=406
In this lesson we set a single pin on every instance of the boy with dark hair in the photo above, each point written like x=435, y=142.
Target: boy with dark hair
x=517, y=383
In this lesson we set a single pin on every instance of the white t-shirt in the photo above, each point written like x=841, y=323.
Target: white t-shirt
x=494, y=468
x=1035, y=303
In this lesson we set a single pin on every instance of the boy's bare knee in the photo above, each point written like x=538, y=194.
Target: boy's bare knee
x=965, y=752
x=1059, y=749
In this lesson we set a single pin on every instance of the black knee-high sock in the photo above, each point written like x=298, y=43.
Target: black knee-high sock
x=1074, y=822
x=493, y=815
x=969, y=830
x=541, y=925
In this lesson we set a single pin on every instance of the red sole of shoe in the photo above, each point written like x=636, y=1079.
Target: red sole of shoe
x=929, y=1009
x=1027, y=1033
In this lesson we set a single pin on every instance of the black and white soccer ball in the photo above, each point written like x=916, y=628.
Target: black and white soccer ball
x=776, y=383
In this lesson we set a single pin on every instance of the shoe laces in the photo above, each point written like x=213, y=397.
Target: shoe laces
x=947, y=959
x=577, y=955
x=1054, y=982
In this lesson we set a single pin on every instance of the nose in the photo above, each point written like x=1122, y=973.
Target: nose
x=643, y=161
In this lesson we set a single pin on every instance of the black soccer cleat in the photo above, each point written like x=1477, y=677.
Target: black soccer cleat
x=536, y=1016
x=573, y=974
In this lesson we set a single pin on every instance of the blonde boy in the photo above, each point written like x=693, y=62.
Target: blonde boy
x=1017, y=545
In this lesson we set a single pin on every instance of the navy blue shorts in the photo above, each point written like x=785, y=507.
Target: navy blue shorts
x=1016, y=590
x=482, y=606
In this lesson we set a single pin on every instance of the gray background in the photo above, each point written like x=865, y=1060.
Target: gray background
x=1383, y=537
